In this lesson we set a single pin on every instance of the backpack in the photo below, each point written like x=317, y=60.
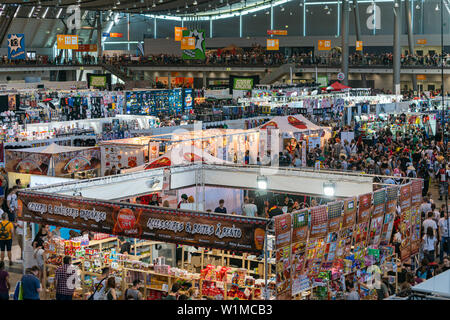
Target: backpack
x=4, y=234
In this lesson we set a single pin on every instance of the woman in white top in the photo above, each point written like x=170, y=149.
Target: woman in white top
x=429, y=244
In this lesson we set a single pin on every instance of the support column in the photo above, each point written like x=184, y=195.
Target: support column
x=344, y=38
x=99, y=38
x=397, y=53
x=205, y=84
x=240, y=25
x=410, y=37
x=358, y=36
x=169, y=79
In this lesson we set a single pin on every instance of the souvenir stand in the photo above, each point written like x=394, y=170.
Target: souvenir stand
x=292, y=130
x=319, y=248
x=227, y=144
x=54, y=160
x=232, y=233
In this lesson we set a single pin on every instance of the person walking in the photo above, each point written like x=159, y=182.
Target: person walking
x=444, y=224
x=65, y=278
x=4, y=282
x=6, y=236
x=12, y=203
x=429, y=244
x=31, y=285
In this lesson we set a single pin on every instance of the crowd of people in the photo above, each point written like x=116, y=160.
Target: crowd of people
x=256, y=55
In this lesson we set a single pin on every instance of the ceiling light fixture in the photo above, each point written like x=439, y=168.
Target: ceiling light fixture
x=195, y=2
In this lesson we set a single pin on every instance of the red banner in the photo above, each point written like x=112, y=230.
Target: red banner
x=210, y=230
x=86, y=48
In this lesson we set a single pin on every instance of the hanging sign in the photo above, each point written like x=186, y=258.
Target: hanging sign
x=421, y=41
x=277, y=32
x=112, y=35
x=359, y=45
x=65, y=41
x=324, y=45
x=86, y=48
x=179, y=33
x=273, y=44
x=188, y=43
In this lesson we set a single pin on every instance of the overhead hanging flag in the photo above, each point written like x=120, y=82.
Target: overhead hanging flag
x=16, y=46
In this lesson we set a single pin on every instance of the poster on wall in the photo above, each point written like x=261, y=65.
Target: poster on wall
x=362, y=226
x=283, y=255
x=348, y=225
x=25, y=162
x=120, y=157
x=192, y=228
x=388, y=222
x=298, y=249
x=405, y=221
x=70, y=162
x=334, y=225
x=376, y=223
x=16, y=46
x=416, y=200
x=12, y=102
x=199, y=52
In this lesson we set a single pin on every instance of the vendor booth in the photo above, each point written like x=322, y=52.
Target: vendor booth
x=292, y=130
x=225, y=256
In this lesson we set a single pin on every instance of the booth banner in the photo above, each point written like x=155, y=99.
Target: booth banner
x=319, y=222
x=416, y=200
x=253, y=148
x=300, y=225
x=26, y=162
x=120, y=157
x=405, y=221
x=376, y=223
x=193, y=228
x=416, y=192
x=303, y=153
x=283, y=273
x=364, y=207
x=391, y=207
x=75, y=161
x=283, y=230
x=153, y=150
x=334, y=225
x=349, y=212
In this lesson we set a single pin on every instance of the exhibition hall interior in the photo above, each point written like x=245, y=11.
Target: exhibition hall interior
x=231, y=150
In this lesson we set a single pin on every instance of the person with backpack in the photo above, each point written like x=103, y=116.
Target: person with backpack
x=100, y=285
x=6, y=236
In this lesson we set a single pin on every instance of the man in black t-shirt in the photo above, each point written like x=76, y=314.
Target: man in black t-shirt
x=125, y=246
x=221, y=208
